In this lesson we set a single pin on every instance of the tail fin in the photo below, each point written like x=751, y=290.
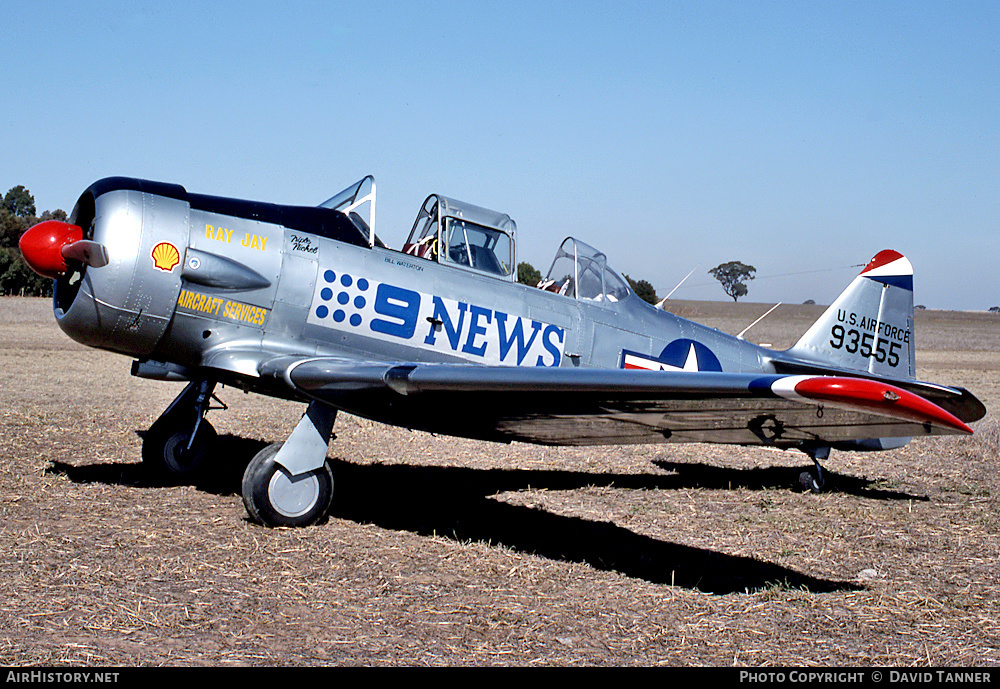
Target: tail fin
x=870, y=326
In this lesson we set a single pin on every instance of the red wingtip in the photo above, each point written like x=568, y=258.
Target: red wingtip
x=41, y=246
x=879, y=397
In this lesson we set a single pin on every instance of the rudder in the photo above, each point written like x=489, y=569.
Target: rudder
x=869, y=327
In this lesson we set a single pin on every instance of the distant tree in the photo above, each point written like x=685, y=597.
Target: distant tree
x=643, y=290
x=58, y=214
x=19, y=202
x=11, y=228
x=17, y=214
x=8, y=257
x=919, y=307
x=995, y=309
x=527, y=274
x=809, y=301
x=732, y=276
x=17, y=279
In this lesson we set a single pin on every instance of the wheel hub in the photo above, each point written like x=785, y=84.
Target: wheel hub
x=292, y=496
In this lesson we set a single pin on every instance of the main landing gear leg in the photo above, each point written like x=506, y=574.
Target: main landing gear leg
x=178, y=443
x=291, y=483
x=814, y=481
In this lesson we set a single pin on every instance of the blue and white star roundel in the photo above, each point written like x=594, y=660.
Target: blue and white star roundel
x=679, y=355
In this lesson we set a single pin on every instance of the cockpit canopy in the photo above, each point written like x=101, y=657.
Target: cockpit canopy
x=357, y=202
x=463, y=235
x=482, y=241
x=582, y=272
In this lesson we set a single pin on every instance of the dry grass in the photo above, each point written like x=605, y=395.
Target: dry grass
x=451, y=552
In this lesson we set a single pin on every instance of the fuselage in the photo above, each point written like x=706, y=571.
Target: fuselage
x=199, y=282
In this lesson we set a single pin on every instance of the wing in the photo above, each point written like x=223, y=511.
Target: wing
x=566, y=406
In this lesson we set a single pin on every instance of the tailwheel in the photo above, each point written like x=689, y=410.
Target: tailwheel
x=814, y=481
x=811, y=483
x=274, y=497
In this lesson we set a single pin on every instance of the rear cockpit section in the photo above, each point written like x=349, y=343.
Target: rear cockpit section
x=465, y=236
x=581, y=271
x=357, y=202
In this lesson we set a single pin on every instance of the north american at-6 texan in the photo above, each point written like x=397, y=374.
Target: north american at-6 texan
x=307, y=303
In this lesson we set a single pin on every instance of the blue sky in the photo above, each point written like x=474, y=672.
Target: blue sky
x=801, y=137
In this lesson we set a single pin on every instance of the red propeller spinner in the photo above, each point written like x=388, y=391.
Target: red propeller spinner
x=46, y=246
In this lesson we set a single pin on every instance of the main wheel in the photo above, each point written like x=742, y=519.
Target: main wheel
x=165, y=447
x=273, y=497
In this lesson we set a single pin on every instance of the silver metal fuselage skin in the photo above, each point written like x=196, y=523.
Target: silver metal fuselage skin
x=244, y=289
x=127, y=305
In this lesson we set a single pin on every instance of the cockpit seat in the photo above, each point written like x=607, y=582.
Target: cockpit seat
x=425, y=248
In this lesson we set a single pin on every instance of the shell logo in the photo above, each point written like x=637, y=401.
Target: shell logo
x=165, y=256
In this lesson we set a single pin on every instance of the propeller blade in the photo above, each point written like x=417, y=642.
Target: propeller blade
x=94, y=254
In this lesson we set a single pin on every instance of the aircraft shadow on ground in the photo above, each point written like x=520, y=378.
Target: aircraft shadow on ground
x=456, y=502
x=697, y=475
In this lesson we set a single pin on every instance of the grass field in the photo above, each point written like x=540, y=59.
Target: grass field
x=453, y=552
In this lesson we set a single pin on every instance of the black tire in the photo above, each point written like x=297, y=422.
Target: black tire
x=164, y=449
x=273, y=497
x=809, y=483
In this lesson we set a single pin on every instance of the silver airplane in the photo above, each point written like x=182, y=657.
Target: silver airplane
x=307, y=303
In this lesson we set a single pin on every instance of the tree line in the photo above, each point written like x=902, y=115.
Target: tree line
x=17, y=214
